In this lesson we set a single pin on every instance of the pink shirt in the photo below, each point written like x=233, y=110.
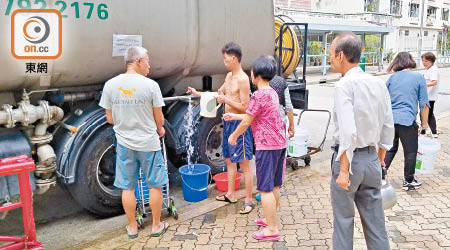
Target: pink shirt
x=267, y=127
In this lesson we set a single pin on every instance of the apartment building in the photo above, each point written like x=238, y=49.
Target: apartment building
x=396, y=21
x=408, y=25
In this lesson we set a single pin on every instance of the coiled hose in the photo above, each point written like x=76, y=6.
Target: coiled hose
x=290, y=50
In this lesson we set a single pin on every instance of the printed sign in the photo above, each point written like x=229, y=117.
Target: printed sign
x=122, y=42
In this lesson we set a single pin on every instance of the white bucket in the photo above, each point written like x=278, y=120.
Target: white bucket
x=426, y=154
x=298, y=145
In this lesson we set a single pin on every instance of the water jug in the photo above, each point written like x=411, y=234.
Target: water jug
x=208, y=104
x=387, y=192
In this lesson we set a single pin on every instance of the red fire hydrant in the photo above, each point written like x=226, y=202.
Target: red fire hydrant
x=22, y=166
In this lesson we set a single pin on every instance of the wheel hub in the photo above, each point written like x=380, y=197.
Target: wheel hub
x=106, y=171
x=214, y=146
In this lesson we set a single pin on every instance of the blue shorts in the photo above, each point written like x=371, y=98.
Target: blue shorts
x=129, y=161
x=243, y=150
x=269, y=169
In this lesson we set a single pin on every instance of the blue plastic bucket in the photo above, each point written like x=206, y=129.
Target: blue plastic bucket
x=194, y=180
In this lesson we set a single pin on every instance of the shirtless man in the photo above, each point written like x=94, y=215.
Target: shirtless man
x=235, y=93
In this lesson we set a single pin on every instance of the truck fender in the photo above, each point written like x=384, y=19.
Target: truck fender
x=69, y=146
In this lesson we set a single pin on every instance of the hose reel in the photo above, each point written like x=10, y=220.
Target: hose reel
x=291, y=52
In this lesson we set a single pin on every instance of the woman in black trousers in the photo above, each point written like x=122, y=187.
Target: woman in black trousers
x=408, y=90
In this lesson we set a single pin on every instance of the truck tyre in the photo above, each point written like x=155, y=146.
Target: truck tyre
x=210, y=143
x=93, y=188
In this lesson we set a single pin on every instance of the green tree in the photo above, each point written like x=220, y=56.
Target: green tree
x=372, y=44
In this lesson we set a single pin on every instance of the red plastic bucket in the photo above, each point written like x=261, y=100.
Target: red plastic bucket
x=222, y=181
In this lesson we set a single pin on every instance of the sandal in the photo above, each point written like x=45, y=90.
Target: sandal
x=260, y=222
x=163, y=230
x=131, y=236
x=225, y=199
x=259, y=235
x=245, y=205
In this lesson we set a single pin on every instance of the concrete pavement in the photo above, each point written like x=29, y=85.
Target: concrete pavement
x=420, y=220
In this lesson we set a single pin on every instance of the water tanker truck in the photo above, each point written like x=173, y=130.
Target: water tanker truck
x=57, y=54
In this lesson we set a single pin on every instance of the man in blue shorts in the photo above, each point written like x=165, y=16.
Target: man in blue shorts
x=133, y=104
x=235, y=94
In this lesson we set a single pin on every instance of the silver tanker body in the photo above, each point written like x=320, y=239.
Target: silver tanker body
x=53, y=114
x=184, y=37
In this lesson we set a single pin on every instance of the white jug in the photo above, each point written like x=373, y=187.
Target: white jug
x=208, y=104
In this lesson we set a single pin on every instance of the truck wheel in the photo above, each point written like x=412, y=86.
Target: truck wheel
x=210, y=143
x=94, y=188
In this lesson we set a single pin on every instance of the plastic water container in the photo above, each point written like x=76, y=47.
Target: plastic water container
x=194, y=179
x=298, y=145
x=426, y=154
x=221, y=180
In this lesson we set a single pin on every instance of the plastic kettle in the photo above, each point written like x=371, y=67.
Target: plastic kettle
x=208, y=104
x=388, y=195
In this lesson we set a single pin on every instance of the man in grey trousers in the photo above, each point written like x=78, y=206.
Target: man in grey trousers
x=364, y=131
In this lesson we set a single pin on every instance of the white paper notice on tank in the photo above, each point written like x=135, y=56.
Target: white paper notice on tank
x=122, y=42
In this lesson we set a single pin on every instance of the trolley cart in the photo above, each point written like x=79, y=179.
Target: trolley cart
x=142, y=194
x=293, y=161
x=22, y=166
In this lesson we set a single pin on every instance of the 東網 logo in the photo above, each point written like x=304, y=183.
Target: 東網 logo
x=40, y=27
x=36, y=34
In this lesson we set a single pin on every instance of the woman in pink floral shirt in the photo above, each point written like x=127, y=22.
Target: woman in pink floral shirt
x=263, y=114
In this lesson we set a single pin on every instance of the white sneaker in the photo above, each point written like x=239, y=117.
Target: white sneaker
x=413, y=185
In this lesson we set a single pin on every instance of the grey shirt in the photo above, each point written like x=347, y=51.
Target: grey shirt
x=132, y=97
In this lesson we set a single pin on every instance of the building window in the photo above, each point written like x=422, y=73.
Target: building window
x=281, y=3
x=396, y=7
x=406, y=32
x=371, y=5
x=414, y=10
x=425, y=33
x=445, y=13
x=431, y=12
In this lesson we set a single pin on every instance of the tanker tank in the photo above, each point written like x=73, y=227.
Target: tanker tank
x=184, y=39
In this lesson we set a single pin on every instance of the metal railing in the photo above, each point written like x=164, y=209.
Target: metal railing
x=378, y=18
x=374, y=61
x=316, y=62
x=442, y=56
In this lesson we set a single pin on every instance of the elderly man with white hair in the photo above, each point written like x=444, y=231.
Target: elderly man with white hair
x=364, y=131
x=133, y=104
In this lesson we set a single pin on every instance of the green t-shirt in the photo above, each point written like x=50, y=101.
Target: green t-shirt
x=131, y=97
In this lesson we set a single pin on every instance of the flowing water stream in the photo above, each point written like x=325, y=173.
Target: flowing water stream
x=189, y=118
